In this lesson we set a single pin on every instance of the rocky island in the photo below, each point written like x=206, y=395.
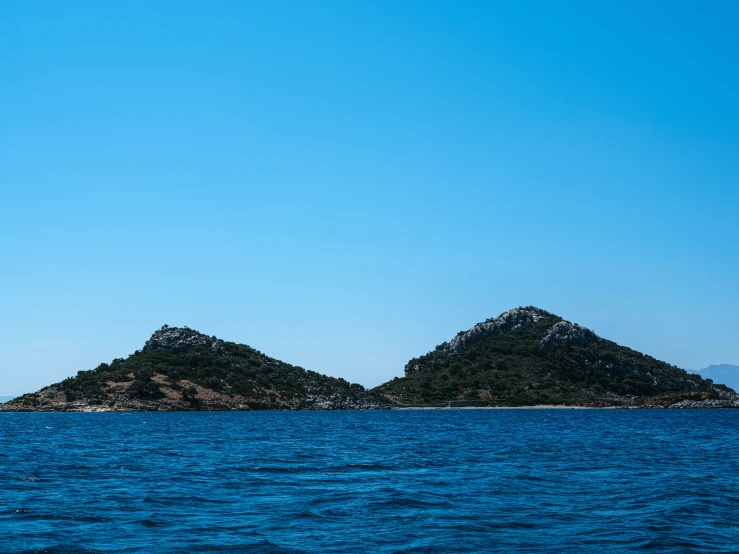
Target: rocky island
x=528, y=357
x=181, y=369
x=524, y=357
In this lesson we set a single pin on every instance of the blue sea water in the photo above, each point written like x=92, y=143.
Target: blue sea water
x=393, y=481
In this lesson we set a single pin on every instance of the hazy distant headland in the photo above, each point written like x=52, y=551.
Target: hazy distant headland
x=723, y=373
x=524, y=357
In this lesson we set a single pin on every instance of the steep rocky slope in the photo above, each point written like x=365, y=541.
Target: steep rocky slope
x=528, y=356
x=181, y=369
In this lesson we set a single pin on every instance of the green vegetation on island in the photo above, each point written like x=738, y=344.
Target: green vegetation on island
x=528, y=356
x=524, y=357
x=181, y=369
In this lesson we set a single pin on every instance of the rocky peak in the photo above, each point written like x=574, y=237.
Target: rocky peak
x=510, y=320
x=563, y=334
x=178, y=338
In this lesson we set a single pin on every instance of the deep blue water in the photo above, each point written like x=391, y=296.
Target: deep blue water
x=400, y=481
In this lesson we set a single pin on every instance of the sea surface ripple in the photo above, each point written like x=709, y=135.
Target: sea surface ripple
x=386, y=482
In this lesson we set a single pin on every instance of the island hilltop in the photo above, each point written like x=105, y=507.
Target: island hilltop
x=524, y=357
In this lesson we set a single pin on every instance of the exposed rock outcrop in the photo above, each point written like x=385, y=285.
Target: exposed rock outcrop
x=564, y=334
x=726, y=399
x=508, y=321
x=178, y=338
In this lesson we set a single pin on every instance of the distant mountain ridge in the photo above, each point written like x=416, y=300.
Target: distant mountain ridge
x=6, y=398
x=528, y=356
x=725, y=374
x=182, y=369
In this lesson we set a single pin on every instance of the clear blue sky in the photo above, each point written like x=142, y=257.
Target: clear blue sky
x=345, y=185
